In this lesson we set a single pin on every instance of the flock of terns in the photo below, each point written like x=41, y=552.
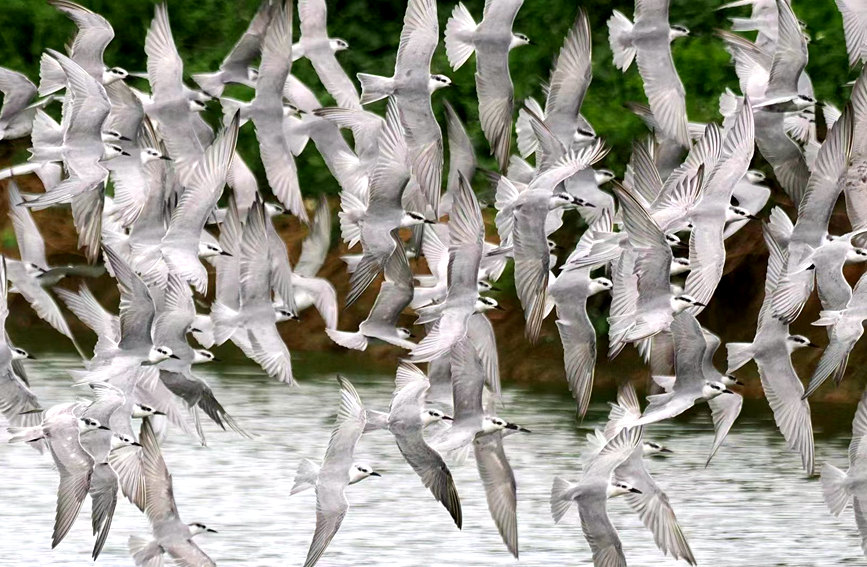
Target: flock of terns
x=143, y=174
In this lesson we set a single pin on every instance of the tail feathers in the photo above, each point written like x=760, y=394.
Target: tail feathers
x=210, y=83
x=21, y=169
x=745, y=24
x=560, y=500
x=738, y=354
x=458, y=36
x=619, y=31
x=374, y=87
x=299, y=138
x=24, y=434
x=834, y=489
x=308, y=473
x=225, y=322
x=355, y=341
x=51, y=75
x=827, y=318
x=145, y=553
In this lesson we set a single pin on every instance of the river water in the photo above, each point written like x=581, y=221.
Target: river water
x=751, y=507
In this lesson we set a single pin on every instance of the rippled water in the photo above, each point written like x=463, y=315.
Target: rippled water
x=751, y=507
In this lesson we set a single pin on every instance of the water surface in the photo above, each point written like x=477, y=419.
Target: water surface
x=751, y=507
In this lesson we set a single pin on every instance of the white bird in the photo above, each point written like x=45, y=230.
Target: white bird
x=411, y=87
x=492, y=40
x=338, y=471
x=466, y=238
x=394, y=296
x=772, y=350
x=266, y=111
x=690, y=385
x=237, y=66
x=570, y=292
x=651, y=503
x=171, y=535
x=406, y=419
x=17, y=114
x=840, y=487
x=591, y=495
x=649, y=41
x=846, y=326
x=61, y=430
x=180, y=245
x=320, y=50
x=308, y=289
x=25, y=274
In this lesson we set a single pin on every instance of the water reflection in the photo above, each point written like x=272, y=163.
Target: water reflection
x=751, y=507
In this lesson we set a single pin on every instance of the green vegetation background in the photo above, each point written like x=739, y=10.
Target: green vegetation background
x=205, y=30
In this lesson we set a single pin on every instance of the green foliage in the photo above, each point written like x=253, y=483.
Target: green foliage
x=206, y=30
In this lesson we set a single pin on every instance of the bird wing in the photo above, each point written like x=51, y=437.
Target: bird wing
x=500, y=487
x=30, y=243
x=496, y=99
x=159, y=497
x=75, y=467
x=94, y=35
x=784, y=392
x=653, y=508
x=570, y=77
x=314, y=249
x=663, y=87
x=331, y=503
x=187, y=554
x=725, y=409
x=600, y=532
x=17, y=91
x=136, y=304
x=405, y=424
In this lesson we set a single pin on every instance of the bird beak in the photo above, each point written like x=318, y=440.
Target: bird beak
x=494, y=288
x=215, y=359
x=135, y=444
x=666, y=450
x=428, y=221
x=499, y=308
x=176, y=357
x=752, y=217
x=125, y=139
x=157, y=412
x=224, y=253
x=104, y=428
x=31, y=357
x=813, y=345
x=166, y=158
x=448, y=418
x=727, y=391
x=195, y=330
x=124, y=153
x=634, y=491
x=412, y=336
x=210, y=531
x=374, y=473
x=698, y=303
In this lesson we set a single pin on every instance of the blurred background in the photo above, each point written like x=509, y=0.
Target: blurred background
x=206, y=30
